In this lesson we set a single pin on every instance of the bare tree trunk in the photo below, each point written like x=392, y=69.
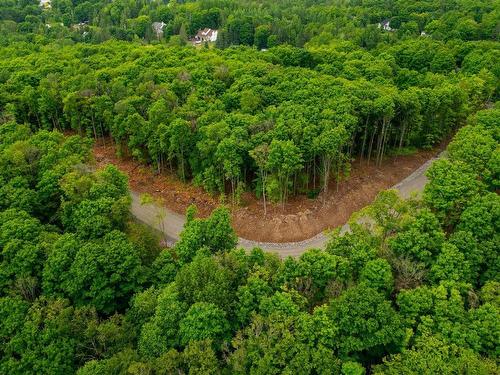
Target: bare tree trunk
x=295, y=183
x=403, y=130
x=102, y=134
x=264, y=177
x=326, y=176
x=308, y=166
x=364, y=138
x=314, y=172
x=283, y=194
x=232, y=191
x=384, y=142
x=184, y=161
x=380, y=143
x=94, y=128
x=338, y=176
x=370, y=147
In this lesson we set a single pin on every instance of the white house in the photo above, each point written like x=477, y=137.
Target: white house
x=80, y=26
x=45, y=4
x=385, y=24
x=158, y=28
x=205, y=35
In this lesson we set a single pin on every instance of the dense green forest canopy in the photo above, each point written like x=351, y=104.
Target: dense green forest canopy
x=288, y=96
x=279, y=122
x=263, y=23
x=85, y=289
x=274, y=118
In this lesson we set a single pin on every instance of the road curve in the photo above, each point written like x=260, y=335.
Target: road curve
x=171, y=223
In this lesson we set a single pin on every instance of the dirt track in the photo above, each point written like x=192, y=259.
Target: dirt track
x=171, y=223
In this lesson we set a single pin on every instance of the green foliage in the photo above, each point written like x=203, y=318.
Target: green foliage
x=367, y=323
x=431, y=356
x=284, y=160
x=142, y=307
x=357, y=248
x=103, y=273
x=450, y=265
x=203, y=321
x=481, y=217
x=95, y=205
x=203, y=112
x=314, y=272
x=204, y=307
x=164, y=268
x=452, y=184
x=305, y=89
x=377, y=274
x=441, y=310
x=213, y=234
x=287, y=344
x=45, y=341
x=284, y=303
x=352, y=368
x=205, y=280
x=12, y=311
x=475, y=146
x=161, y=332
x=420, y=237
x=250, y=297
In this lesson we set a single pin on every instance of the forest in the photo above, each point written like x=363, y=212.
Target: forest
x=279, y=122
x=290, y=94
x=84, y=289
x=261, y=23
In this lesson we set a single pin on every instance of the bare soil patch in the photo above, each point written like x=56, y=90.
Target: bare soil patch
x=301, y=218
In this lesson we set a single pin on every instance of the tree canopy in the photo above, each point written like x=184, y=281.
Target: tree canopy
x=280, y=105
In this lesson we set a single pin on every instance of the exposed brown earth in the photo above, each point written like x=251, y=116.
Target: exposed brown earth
x=301, y=218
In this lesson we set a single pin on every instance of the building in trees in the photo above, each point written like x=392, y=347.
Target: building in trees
x=205, y=35
x=158, y=28
x=45, y=4
x=385, y=25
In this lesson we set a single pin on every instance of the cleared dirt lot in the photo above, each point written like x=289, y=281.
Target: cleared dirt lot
x=300, y=222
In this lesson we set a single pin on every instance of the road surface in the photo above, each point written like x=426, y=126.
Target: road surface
x=171, y=223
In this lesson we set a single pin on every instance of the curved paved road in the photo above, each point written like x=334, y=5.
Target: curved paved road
x=171, y=223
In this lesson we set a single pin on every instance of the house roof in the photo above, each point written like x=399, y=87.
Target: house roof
x=45, y=3
x=207, y=33
x=158, y=26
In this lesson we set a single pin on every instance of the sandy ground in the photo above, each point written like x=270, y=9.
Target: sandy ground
x=297, y=226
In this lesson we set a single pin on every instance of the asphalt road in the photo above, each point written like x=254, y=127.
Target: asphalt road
x=171, y=223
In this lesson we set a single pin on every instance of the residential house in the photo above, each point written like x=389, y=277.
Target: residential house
x=158, y=28
x=385, y=25
x=205, y=35
x=45, y=4
x=80, y=26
